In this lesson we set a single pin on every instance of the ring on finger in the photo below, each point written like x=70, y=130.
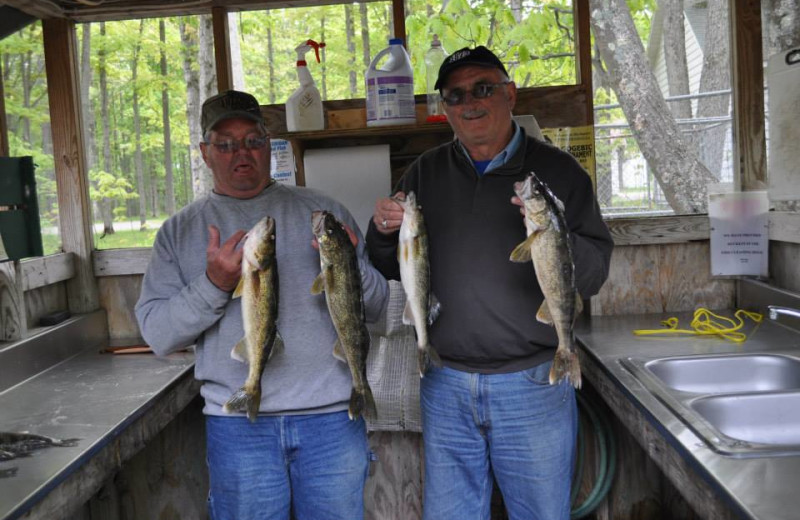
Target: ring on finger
x=385, y=224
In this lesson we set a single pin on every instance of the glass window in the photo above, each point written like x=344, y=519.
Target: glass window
x=142, y=84
x=28, y=120
x=663, y=109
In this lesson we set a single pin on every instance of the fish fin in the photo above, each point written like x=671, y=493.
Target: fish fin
x=522, y=253
x=319, y=284
x=338, y=351
x=434, y=308
x=427, y=356
x=408, y=316
x=239, y=351
x=277, y=345
x=578, y=304
x=543, y=316
x=566, y=365
x=237, y=293
x=242, y=400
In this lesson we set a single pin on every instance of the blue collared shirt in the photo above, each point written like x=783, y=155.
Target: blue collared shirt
x=502, y=157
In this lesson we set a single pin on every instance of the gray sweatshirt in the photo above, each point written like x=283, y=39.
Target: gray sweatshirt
x=179, y=305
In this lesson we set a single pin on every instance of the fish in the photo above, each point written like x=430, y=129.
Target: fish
x=548, y=247
x=258, y=289
x=422, y=308
x=13, y=445
x=340, y=280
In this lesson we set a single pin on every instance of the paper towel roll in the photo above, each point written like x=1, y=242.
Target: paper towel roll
x=356, y=176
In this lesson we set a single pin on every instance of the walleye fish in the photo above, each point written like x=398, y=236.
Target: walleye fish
x=548, y=245
x=422, y=307
x=258, y=288
x=340, y=278
x=13, y=445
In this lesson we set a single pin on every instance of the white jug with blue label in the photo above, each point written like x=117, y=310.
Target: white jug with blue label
x=390, y=87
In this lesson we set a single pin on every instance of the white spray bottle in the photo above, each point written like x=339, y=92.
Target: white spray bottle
x=304, y=106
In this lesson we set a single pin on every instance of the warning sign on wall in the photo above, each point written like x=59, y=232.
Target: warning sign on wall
x=577, y=140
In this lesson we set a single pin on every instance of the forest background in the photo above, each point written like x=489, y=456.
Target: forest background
x=142, y=82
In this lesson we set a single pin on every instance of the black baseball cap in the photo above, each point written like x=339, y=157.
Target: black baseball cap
x=480, y=56
x=227, y=105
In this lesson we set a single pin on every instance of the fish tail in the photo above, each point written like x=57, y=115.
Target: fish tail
x=427, y=356
x=362, y=403
x=566, y=365
x=244, y=400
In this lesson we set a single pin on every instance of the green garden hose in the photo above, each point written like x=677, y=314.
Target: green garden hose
x=607, y=465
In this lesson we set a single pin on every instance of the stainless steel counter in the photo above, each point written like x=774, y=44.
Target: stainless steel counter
x=755, y=487
x=95, y=397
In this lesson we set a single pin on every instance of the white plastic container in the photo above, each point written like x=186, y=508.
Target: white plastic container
x=390, y=87
x=434, y=57
x=304, y=107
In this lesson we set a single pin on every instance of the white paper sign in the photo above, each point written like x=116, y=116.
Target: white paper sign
x=282, y=162
x=739, y=233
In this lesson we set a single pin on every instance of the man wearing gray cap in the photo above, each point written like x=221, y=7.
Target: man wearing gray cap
x=301, y=453
x=489, y=413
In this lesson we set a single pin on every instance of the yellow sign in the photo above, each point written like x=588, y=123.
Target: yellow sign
x=577, y=140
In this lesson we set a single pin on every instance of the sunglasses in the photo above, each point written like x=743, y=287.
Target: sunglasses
x=233, y=145
x=458, y=96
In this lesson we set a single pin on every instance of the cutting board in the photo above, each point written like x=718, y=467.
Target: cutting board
x=783, y=80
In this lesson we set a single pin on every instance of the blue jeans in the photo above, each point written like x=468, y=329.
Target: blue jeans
x=315, y=464
x=514, y=427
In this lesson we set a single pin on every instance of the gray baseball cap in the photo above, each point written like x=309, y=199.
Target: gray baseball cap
x=227, y=105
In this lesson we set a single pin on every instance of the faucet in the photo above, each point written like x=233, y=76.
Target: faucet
x=775, y=310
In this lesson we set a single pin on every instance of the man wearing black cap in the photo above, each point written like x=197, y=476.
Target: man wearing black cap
x=302, y=453
x=490, y=410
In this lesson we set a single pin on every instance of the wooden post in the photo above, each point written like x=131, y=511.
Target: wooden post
x=74, y=207
x=13, y=325
x=399, y=19
x=222, y=48
x=750, y=150
x=583, y=55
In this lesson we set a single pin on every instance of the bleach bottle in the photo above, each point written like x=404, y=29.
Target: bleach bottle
x=390, y=87
x=304, y=106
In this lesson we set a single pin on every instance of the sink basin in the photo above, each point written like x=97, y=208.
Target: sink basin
x=766, y=418
x=727, y=374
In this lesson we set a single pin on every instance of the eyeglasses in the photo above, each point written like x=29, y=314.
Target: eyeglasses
x=458, y=96
x=251, y=142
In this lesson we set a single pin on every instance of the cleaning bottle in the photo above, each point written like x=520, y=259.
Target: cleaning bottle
x=304, y=106
x=390, y=87
x=434, y=57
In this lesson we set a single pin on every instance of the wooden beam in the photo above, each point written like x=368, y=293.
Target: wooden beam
x=4, y=151
x=13, y=322
x=222, y=48
x=583, y=54
x=399, y=20
x=74, y=206
x=120, y=262
x=750, y=150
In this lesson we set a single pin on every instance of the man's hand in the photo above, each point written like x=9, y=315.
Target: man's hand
x=388, y=214
x=224, y=264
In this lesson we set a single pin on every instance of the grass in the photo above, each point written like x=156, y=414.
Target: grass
x=120, y=239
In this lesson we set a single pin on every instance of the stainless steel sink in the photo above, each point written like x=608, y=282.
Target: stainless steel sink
x=764, y=418
x=728, y=373
x=739, y=404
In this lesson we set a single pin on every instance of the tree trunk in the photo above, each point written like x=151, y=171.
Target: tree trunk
x=365, y=34
x=780, y=21
x=137, y=135
x=324, y=67
x=674, y=38
x=236, y=54
x=87, y=110
x=169, y=188
x=715, y=76
x=270, y=60
x=106, y=203
x=201, y=177
x=682, y=177
x=351, y=49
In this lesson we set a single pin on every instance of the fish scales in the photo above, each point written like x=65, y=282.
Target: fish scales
x=421, y=307
x=258, y=289
x=340, y=280
x=548, y=247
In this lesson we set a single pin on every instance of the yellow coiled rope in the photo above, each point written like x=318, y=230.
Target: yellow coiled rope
x=706, y=322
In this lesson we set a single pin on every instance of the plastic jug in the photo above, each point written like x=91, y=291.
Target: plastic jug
x=390, y=87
